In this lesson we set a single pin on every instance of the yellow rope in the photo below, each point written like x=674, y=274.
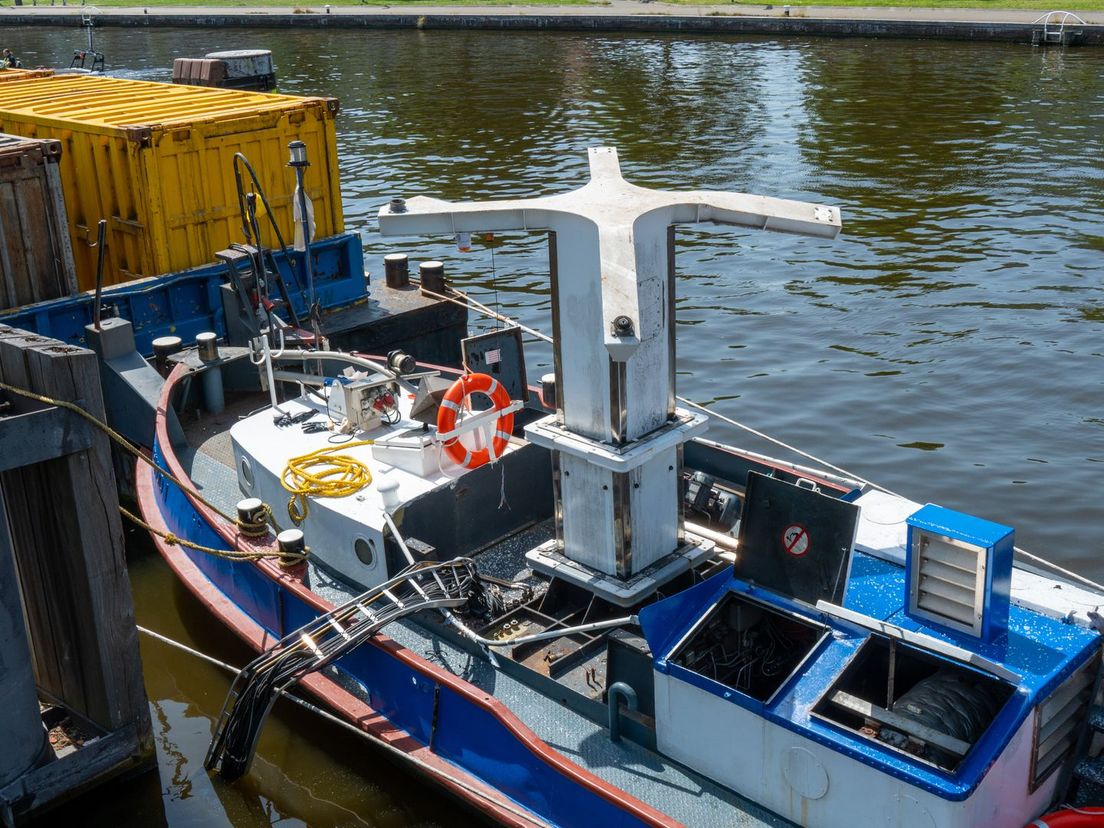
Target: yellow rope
x=249, y=529
x=322, y=473
x=285, y=558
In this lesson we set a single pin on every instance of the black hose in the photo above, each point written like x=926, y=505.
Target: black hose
x=101, y=241
x=313, y=646
x=252, y=232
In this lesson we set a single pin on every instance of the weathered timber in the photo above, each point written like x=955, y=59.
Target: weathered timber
x=20, y=728
x=66, y=539
x=71, y=775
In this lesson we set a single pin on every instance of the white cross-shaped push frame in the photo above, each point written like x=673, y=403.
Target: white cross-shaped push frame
x=613, y=306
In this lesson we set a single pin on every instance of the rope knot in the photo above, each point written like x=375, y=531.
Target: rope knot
x=290, y=560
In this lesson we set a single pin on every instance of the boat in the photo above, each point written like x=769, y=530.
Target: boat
x=566, y=605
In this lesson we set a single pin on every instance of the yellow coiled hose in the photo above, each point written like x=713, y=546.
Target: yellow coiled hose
x=323, y=473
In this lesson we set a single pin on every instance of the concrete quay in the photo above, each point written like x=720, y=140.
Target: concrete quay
x=1011, y=25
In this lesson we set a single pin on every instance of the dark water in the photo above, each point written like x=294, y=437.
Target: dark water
x=950, y=345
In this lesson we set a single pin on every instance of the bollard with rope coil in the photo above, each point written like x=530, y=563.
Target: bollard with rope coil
x=253, y=517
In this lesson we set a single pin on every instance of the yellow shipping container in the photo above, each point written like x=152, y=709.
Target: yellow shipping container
x=8, y=75
x=155, y=160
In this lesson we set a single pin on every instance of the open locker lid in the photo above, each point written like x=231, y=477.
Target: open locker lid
x=795, y=541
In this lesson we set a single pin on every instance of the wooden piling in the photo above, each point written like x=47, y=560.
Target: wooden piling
x=66, y=535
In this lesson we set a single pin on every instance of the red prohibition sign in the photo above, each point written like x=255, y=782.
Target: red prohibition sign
x=795, y=540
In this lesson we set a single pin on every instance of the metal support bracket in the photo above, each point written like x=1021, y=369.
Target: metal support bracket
x=620, y=459
x=548, y=559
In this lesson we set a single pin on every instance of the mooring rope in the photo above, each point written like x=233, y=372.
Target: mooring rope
x=122, y=441
x=285, y=558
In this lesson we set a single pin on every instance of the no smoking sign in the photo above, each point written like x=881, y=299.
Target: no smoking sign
x=795, y=540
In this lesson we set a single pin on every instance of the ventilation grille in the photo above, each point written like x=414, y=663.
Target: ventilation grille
x=1059, y=722
x=948, y=582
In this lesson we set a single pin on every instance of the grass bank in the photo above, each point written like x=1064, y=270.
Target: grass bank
x=994, y=5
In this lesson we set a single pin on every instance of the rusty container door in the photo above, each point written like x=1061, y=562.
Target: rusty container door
x=36, y=258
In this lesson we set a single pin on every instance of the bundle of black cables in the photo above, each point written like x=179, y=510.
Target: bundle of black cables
x=238, y=740
x=424, y=585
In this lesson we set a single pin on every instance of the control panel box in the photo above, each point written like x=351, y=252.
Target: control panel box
x=366, y=403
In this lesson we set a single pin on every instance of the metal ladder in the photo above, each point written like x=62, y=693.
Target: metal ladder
x=424, y=585
x=1054, y=28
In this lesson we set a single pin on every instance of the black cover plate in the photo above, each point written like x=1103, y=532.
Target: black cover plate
x=498, y=354
x=795, y=541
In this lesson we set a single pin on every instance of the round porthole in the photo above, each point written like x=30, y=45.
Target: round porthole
x=246, y=473
x=365, y=550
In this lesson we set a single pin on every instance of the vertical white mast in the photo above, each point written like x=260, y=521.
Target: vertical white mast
x=616, y=437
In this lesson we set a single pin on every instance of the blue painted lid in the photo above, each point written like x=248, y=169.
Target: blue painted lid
x=942, y=521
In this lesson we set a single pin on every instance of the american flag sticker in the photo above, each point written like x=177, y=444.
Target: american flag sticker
x=494, y=356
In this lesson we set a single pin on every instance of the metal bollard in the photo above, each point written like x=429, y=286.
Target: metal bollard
x=388, y=489
x=432, y=276
x=207, y=347
x=163, y=348
x=291, y=541
x=396, y=270
x=548, y=391
x=251, y=513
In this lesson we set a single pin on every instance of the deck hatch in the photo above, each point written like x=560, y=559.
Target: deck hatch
x=911, y=701
x=749, y=646
x=795, y=541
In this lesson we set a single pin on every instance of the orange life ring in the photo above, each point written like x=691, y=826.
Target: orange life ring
x=451, y=405
x=1071, y=818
